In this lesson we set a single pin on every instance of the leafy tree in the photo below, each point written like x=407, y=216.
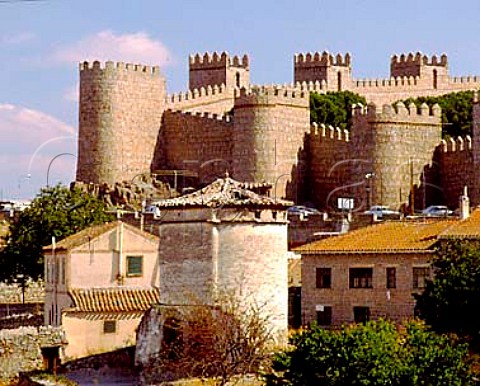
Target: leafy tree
x=56, y=211
x=377, y=353
x=334, y=108
x=448, y=301
x=456, y=111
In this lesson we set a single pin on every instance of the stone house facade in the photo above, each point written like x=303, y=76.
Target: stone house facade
x=368, y=273
x=98, y=284
x=130, y=127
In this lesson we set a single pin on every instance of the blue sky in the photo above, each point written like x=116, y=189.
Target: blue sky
x=41, y=43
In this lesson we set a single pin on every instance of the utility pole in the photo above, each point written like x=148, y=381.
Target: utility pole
x=412, y=195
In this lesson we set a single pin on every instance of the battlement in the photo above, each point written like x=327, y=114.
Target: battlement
x=202, y=115
x=215, y=60
x=271, y=95
x=455, y=145
x=196, y=93
x=322, y=132
x=392, y=82
x=419, y=59
x=322, y=59
x=110, y=66
x=400, y=112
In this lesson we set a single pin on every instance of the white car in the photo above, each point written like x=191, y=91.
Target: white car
x=437, y=211
x=381, y=210
x=301, y=209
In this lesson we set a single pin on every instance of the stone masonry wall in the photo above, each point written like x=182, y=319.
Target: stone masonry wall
x=269, y=131
x=455, y=159
x=12, y=293
x=199, y=142
x=120, y=116
x=330, y=165
x=20, y=348
x=393, y=303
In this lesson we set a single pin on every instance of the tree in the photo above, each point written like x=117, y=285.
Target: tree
x=56, y=211
x=448, y=300
x=377, y=353
x=334, y=108
x=456, y=108
x=216, y=342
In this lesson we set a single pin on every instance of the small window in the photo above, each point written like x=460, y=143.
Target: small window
x=361, y=277
x=237, y=79
x=109, y=327
x=361, y=314
x=134, y=265
x=391, y=277
x=324, y=315
x=324, y=277
x=420, y=277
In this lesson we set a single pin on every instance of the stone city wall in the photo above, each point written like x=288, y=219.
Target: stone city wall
x=198, y=142
x=20, y=349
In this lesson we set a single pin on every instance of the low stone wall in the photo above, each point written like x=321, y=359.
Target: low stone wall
x=20, y=349
x=34, y=292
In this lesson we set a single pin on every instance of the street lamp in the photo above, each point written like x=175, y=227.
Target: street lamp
x=21, y=280
x=53, y=159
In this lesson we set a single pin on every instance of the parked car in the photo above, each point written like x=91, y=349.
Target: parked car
x=381, y=210
x=437, y=211
x=302, y=210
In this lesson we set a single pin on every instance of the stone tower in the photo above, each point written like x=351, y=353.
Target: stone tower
x=432, y=73
x=215, y=69
x=335, y=72
x=121, y=107
x=269, y=130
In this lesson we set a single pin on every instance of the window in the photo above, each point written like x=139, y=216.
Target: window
x=361, y=277
x=134, y=265
x=324, y=277
x=361, y=314
x=237, y=79
x=109, y=327
x=391, y=277
x=324, y=315
x=420, y=276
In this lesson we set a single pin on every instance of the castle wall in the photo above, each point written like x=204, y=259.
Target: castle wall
x=198, y=142
x=475, y=192
x=215, y=69
x=393, y=146
x=120, y=115
x=329, y=154
x=268, y=138
x=456, y=161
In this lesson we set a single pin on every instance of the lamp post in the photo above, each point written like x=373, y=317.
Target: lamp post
x=53, y=159
x=21, y=280
x=369, y=177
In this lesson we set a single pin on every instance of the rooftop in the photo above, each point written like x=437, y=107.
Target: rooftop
x=392, y=236
x=464, y=229
x=113, y=299
x=224, y=192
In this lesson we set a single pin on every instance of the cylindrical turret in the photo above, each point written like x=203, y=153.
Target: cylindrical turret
x=120, y=116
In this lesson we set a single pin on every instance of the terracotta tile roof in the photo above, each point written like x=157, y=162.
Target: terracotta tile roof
x=93, y=232
x=224, y=192
x=113, y=299
x=394, y=236
x=464, y=229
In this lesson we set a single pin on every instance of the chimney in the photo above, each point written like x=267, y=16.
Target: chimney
x=464, y=204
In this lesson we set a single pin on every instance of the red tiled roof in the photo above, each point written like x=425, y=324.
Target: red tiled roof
x=394, y=236
x=464, y=229
x=113, y=299
x=88, y=234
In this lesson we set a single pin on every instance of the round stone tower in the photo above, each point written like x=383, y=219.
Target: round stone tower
x=120, y=114
x=268, y=137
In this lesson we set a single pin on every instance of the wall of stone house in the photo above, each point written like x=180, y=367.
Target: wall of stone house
x=120, y=115
x=395, y=303
x=455, y=158
x=329, y=154
x=85, y=337
x=201, y=143
x=20, y=349
x=12, y=293
x=394, y=145
x=268, y=138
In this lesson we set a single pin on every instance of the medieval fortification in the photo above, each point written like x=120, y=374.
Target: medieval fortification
x=130, y=128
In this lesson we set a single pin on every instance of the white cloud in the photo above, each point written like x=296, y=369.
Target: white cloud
x=19, y=38
x=30, y=141
x=106, y=45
